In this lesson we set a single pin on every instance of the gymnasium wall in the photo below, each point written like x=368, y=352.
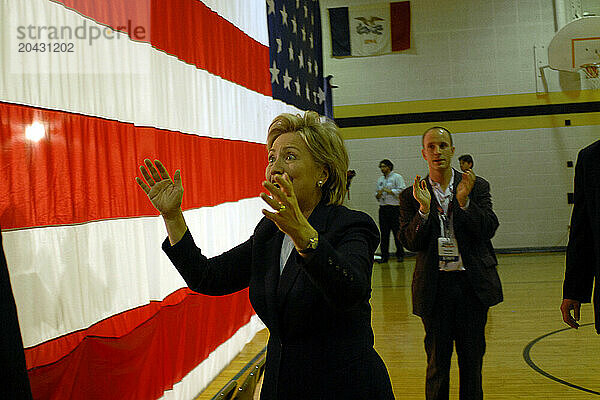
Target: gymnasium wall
x=471, y=69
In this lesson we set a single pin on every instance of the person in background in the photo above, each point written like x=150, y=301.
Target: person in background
x=387, y=193
x=447, y=219
x=466, y=164
x=308, y=265
x=583, y=249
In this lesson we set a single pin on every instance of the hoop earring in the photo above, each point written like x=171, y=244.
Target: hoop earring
x=320, y=184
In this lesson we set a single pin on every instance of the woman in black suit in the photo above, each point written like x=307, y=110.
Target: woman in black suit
x=308, y=265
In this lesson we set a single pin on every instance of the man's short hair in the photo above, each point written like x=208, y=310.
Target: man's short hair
x=436, y=127
x=388, y=163
x=466, y=158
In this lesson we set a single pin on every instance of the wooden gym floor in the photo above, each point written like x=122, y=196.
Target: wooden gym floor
x=530, y=352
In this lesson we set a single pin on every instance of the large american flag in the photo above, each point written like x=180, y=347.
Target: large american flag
x=102, y=312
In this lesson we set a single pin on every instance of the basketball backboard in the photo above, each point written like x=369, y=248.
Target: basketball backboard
x=576, y=44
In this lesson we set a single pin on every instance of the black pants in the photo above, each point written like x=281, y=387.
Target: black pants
x=459, y=319
x=389, y=220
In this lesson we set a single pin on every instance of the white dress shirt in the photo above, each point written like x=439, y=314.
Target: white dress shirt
x=286, y=250
x=444, y=197
x=393, y=182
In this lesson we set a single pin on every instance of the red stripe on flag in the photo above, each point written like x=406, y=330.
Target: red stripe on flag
x=112, y=361
x=189, y=30
x=400, y=25
x=113, y=326
x=84, y=169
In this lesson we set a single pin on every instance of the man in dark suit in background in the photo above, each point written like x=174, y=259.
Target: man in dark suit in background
x=13, y=371
x=447, y=219
x=583, y=250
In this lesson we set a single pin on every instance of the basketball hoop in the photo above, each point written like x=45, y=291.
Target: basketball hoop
x=591, y=70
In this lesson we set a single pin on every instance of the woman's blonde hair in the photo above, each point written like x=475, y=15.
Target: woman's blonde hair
x=323, y=139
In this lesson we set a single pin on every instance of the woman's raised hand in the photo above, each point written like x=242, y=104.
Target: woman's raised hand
x=288, y=217
x=165, y=193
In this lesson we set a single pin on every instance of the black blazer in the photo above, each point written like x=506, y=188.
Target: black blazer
x=583, y=250
x=318, y=313
x=473, y=229
x=13, y=371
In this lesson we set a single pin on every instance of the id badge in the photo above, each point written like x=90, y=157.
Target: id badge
x=447, y=249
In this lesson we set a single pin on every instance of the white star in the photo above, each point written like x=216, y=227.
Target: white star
x=284, y=15
x=286, y=80
x=297, y=4
x=314, y=97
x=274, y=73
x=291, y=52
x=307, y=92
x=271, y=4
x=312, y=20
x=278, y=40
x=309, y=64
x=310, y=39
x=321, y=95
x=300, y=60
x=303, y=34
x=297, y=83
x=316, y=68
x=305, y=11
x=293, y=20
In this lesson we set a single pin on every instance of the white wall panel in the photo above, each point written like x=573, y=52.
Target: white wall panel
x=461, y=48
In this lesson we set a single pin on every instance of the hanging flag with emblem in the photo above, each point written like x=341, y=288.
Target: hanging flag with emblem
x=369, y=30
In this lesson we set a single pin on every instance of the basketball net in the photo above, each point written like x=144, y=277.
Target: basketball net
x=592, y=72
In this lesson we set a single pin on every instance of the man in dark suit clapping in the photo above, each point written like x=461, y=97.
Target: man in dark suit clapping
x=447, y=219
x=583, y=250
